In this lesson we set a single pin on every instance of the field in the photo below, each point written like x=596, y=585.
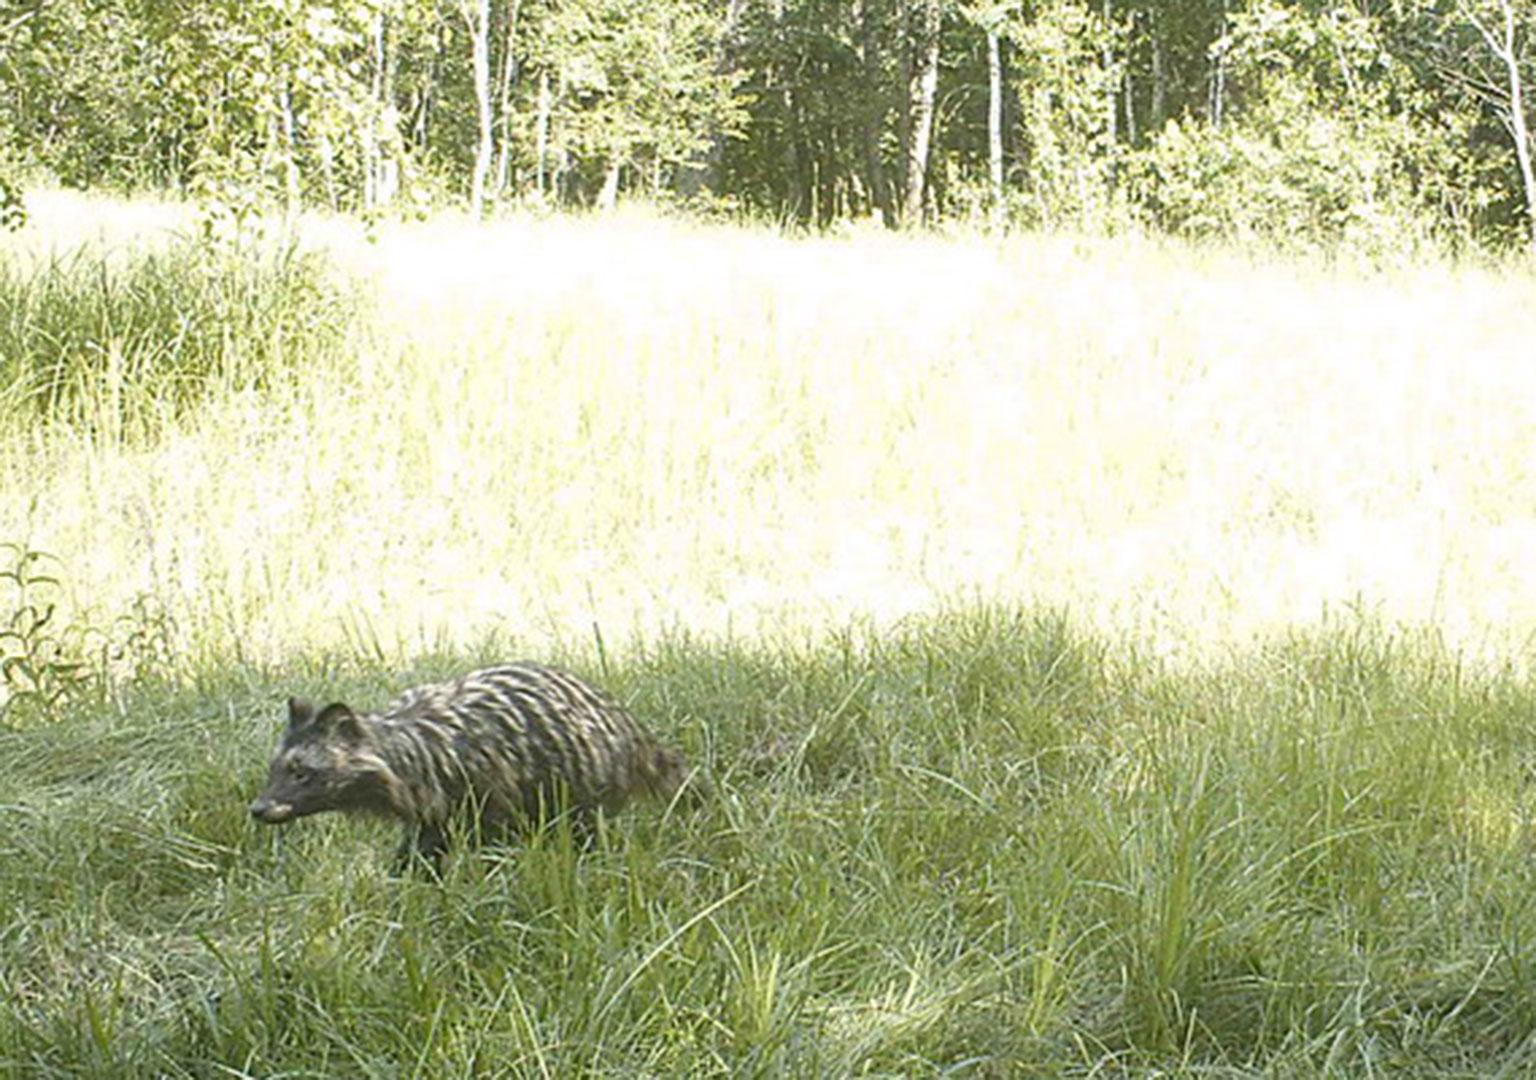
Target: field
x=1111, y=657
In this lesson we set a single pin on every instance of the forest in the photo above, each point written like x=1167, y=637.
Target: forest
x=1375, y=124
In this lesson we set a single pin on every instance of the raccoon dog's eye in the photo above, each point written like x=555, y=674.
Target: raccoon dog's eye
x=300, y=772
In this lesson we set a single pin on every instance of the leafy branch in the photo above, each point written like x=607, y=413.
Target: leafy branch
x=49, y=664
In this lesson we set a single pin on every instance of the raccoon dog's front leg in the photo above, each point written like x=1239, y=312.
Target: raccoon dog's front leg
x=426, y=843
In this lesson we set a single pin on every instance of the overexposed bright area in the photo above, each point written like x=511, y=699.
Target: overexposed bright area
x=650, y=425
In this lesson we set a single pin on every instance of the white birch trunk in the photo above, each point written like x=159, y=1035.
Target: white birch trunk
x=924, y=95
x=477, y=16
x=1503, y=47
x=504, y=102
x=608, y=197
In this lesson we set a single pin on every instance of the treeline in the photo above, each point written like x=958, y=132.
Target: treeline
x=1369, y=121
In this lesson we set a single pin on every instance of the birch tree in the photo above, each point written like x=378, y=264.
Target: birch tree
x=1506, y=33
x=990, y=19
x=477, y=18
x=926, y=21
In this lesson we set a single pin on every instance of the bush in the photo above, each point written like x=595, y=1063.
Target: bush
x=1297, y=181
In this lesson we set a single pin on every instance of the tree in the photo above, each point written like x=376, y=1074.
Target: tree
x=926, y=20
x=1067, y=127
x=629, y=85
x=1507, y=36
x=1298, y=122
x=995, y=122
x=477, y=17
x=702, y=172
x=991, y=19
x=871, y=119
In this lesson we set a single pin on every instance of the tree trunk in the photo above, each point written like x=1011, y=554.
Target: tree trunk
x=1219, y=73
x=904, y=99
x=874, y=120
x=327, y=155
x=995, y=123
x=541, y=135
x=1159, y=77
x=1522, y=138
x=368, y=126
x=504, y=99
x=1130, y=107
x=477, y=16
x=1517, y=126
x=391, y=148
x=1503, y=47
x=798, y=198
x=560, y=174
x=426, y=102
x=379, y=135
x=608, y=197
x=923, y=94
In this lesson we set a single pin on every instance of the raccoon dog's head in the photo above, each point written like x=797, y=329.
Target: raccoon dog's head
x=324, y=762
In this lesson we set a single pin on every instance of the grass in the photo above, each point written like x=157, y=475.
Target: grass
x=538, y=425
x=984, y=844
x=1110, y=659
x=118, y=345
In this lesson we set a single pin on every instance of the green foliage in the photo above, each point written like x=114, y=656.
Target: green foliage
x=637, y=81
x=1067, y=148
x=82, y=94
x=123, y=345
x=42, y=664
x=1286, y=180
x=1465, y=122
x=984, y=842
x=13, y=211
x=1319, y=125
x=1315, y=154
x=806, y=84
x=52, y=663
x=235, y=201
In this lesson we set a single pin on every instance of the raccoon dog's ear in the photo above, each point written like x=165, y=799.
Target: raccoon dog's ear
x=300, y=712
x=337, y=718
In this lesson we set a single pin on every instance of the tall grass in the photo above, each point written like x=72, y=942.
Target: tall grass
x=120, y=343
x=539, y=425
x=984, y=844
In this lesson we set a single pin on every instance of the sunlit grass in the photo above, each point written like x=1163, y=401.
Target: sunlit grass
x=641, y=424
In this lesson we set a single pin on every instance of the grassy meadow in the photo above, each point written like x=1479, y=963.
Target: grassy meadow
x=1110, y=657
